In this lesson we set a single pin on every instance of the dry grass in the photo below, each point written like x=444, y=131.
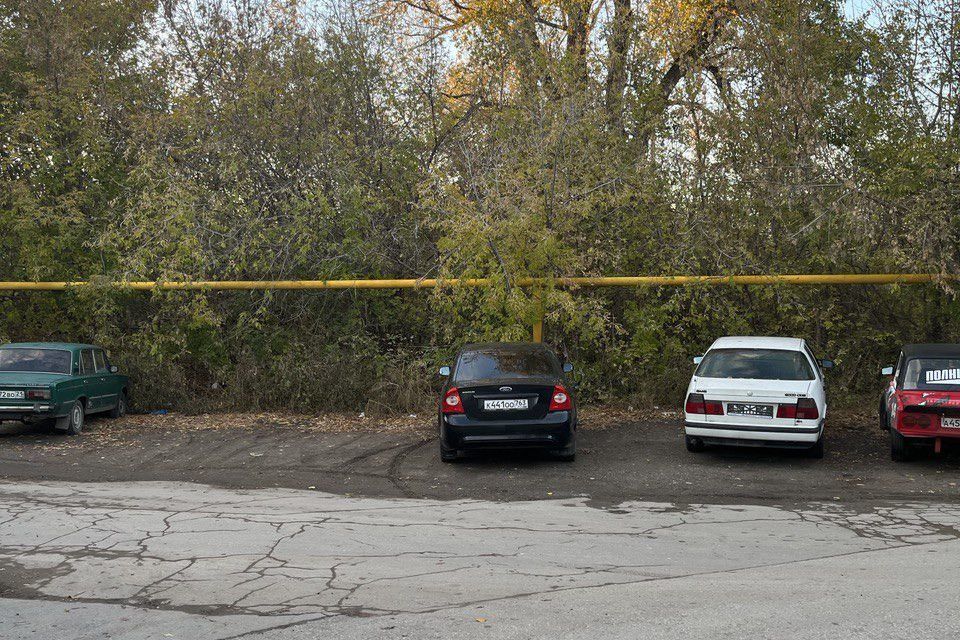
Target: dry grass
x=592, y=417
x=102, y=432
x=322, y=423
x=616, y=415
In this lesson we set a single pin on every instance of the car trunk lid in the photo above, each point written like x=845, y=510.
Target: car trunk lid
x=746, y=401
x=15, y=384
x=21, y=379
x=507, y=399
x=938, y=402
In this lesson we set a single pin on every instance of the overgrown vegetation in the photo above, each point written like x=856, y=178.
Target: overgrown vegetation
x=256, y=139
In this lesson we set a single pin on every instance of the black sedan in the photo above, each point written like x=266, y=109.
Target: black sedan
x=507, y=396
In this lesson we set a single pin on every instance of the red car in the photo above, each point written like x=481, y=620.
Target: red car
x=921, y=405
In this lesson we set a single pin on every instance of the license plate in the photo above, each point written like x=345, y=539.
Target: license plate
x=950, y=423
x=11, y=395
x=755, y=410
x=505, y=405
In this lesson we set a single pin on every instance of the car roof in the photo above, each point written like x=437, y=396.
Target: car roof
x=758, y=342
x=505, y=346
x=931, y=350
x=68, y=346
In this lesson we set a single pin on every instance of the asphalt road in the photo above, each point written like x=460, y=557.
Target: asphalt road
x=286, y=533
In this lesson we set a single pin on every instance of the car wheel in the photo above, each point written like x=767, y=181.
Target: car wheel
x=75, y=419
x=694, y=445
x=816, y=451
x=120, y=409
x=448, y=455
x=899, y=449
x=569, y=452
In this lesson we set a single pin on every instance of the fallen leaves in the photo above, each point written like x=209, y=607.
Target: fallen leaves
x=323, y=423
x=101, y=431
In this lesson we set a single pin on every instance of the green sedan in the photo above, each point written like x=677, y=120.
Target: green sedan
x=59, y=383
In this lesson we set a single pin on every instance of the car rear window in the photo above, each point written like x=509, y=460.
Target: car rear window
x=757, y=364
x=40, y=360
x=932, y=374
x=487, y=365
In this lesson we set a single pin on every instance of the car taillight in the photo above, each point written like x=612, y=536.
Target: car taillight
x=560, y=400
x=788, y=411
x=805, y=409
x=451, y=402
x=37, y=394
x=916, y=420
x=697, y=404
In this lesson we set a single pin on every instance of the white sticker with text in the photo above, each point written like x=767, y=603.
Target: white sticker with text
x=943, y=376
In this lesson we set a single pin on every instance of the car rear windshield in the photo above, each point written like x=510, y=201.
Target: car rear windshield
x=41, y=360
x=932, y=374
x=757, y=364
x=488, y=365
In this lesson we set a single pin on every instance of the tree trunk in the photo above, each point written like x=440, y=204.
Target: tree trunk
x=619, y=48
x=578, y=18
x=709, y=33
x=533, y=71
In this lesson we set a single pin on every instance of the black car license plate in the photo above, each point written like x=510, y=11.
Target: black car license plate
x=756, y=410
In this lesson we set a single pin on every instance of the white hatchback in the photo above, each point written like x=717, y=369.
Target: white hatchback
x=757, y=392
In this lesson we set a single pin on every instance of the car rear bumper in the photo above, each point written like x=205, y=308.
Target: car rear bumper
x=753, y=435
x=553, y=431
x=25, y=413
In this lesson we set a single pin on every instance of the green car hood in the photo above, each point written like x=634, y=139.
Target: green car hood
x=34, y=378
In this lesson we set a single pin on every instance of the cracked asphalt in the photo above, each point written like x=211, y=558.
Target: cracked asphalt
x=285, y=534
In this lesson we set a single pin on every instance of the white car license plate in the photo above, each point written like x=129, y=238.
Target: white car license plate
x=11, y=395
x=505, y=405
x=752, y=410
x=950, y=423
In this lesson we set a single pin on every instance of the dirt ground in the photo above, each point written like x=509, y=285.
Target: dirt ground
x=623, y=455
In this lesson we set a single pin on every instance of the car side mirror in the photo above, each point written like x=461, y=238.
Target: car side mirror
x=445, y=371
x=697, y=359
x=827, y=364
x=886, y=371
x=114, y=368
x=567, y=367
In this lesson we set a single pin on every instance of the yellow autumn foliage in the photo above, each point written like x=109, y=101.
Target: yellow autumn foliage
x=677, y=24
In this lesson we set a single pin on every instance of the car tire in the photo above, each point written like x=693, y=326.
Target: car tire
x=569, y=452
x=75, y=419
x=448, y=455
x=694, y=445
x=816, y=451
x=899, y=448
x=120, y=409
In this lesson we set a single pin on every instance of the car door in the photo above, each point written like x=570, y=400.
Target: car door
x=90, y=381
x=107, y=384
